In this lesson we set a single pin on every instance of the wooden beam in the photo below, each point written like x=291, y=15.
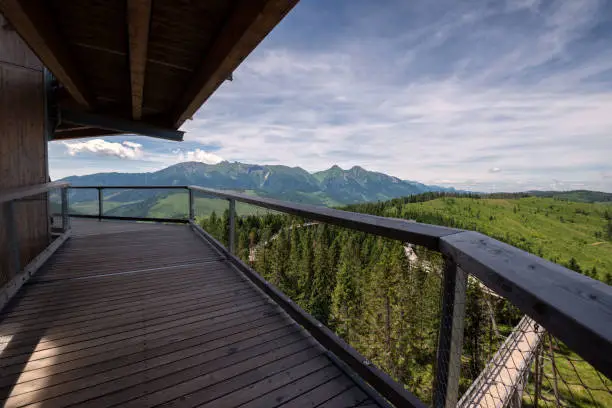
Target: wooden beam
x=119, y=125
x=32, y=21
x=17, y=193
x=69, y=127
x=81, y=132
x=247, y=25
x=139, y=19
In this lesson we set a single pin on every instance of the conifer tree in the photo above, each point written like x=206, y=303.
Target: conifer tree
x=346, y=297
x=323, y=277
x=476, y=325
x=306, y=266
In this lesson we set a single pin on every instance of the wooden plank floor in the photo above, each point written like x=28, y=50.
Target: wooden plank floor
x=140, y=315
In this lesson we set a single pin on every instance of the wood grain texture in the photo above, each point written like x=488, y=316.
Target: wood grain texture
x=23, y=192
x=158, y=64
x=159, y=331
x=32, y=20
x=14, y=51
x=23, y=154
x=139, y=18
x=246, y=26
x=573, y=307
x=81, y=133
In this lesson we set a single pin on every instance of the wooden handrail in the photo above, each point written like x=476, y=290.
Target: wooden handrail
x=573, y=307
x=426, y=235
x=11, y=194
x=132, y=187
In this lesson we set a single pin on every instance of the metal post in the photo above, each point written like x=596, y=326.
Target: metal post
x=538, y=374
x=191, y=205
x=450, y=339
x=554, y=371
x=13, y=236
x=232, y=225
x=65, y=218
x=100, y=205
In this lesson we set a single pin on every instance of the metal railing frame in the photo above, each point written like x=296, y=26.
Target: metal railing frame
x=101, y=216
x=574, y=308
x=9, y=197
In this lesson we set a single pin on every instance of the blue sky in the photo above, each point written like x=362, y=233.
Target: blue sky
x=484, y=95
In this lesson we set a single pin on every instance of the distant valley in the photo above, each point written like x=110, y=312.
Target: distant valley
x=331, y=187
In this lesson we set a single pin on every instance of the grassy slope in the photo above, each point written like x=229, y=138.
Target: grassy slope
x=91, y=207
x=175, y=205
x=583, y=196
x=172, y=206
x=553, y=229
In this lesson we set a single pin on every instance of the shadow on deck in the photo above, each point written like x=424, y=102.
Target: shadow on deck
x=135, y=314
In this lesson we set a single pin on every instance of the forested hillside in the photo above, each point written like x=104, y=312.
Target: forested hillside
x=583, y=196
x=383, y=296
x=577, y=235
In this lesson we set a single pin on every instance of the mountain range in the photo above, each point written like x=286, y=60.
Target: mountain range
x=334, y=186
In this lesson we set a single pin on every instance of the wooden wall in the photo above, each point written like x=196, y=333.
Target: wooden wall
x=23, y=146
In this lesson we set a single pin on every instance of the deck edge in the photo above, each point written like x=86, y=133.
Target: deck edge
x=9, y=290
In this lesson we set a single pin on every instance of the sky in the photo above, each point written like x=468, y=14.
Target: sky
x=484, y=95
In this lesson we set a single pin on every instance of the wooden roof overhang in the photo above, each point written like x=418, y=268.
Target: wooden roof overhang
x=139, y=66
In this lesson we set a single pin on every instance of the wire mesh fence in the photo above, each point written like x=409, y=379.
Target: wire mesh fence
x=520, y=363
x=381, y=296
x=560, y=378
x=393, y=303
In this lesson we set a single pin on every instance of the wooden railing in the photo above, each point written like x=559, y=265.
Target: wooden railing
x=15, y=194
x=574, y=308
x=9, y=226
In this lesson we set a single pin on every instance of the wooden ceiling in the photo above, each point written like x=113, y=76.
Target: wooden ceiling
x=153, y=62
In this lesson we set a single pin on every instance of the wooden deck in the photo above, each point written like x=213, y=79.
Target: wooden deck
x=139, y=315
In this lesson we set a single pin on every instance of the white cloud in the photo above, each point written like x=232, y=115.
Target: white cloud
x=421, y=131
x=509, y=97
x=124, y=150
x=132, y=145
x=435, y=91
x=199, y=156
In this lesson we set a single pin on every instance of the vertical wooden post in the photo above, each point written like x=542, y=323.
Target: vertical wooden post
x=191, y=205
x=49, y=130
x=65, y=218
x=450, y=339
x=23, y=148
x=13, y=237
x=232, y=225
x=100, y=205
